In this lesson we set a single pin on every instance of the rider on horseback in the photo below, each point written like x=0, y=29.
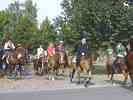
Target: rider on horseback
x=8, y=47
x=60, y=47
x=51, y=50
x=120, y=54
x=39, y=51
x=62, y=52
x=82, y=50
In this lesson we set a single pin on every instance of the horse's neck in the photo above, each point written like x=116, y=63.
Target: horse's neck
x=83, y=58
x=12, y=54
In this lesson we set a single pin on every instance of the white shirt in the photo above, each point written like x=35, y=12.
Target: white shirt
x=9, y=45
x=39, y=52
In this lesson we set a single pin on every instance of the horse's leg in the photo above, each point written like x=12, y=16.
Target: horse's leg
x=53, y=73
x=78, y=73
x=125, y=74
x=131, y=76
x=108, y=69
x=63, y=69
x=112, y=74
x=20, y=69
x=42, y=68
x=10, y=69
x=72, y=74
x=6, y=68
x=89, y=72
x=88, y=79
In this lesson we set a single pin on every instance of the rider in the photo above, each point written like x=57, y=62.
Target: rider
x=8, y=46
x=120, y=53
x=61, y=50
x=82, y=50
x=51, y=50
x=60, y=47
x=39, y=51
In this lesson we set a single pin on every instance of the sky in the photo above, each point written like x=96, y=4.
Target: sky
x=50, y=8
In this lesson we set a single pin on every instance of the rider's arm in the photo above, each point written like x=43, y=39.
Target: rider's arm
x=13, y=46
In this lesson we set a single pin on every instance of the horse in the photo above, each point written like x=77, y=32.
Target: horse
x=130, y=65
x=41, y=65
x=116, y=66
x=28, y=51
x=109, y=64
x=63, y=61
x=15, y=60
x=53, y=66
x=84, y=66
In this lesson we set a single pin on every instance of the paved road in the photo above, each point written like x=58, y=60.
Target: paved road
x=103, y=93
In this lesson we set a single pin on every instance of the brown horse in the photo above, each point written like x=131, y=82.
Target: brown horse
x=16, y=60
x=130, y=65
x=84, y=67
x=117, y=66
x=53, y=66
x=63, y=62
x=109, y=65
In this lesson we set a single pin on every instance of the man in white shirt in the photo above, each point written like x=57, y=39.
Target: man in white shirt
x=39, y=51
x=9, y=45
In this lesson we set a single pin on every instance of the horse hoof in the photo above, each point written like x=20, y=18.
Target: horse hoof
x=86, y=85
x=53, y=79
x=113, y=84
x=71, y=80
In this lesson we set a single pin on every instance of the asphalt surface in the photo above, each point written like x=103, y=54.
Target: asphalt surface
x=101, y=93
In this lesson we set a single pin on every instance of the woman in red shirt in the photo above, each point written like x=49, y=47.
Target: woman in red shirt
x=51, y=50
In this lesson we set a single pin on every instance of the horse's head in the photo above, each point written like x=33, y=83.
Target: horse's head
x=130, y=57
x=21, y=54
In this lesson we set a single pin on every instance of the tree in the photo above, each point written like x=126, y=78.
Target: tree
x=47, y=32
x=103, y=21
x=30, y=10
x=65, y=32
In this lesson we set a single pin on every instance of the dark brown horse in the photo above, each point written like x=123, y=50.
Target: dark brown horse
x=117, y=66
x=16, y=60
x=63, y=61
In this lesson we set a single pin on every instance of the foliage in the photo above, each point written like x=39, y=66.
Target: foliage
x=103, y=21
